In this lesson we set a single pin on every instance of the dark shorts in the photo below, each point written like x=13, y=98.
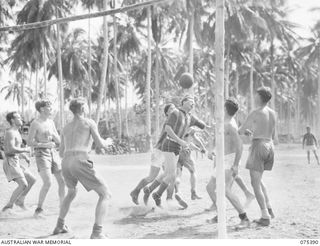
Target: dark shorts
x=261, y=155
x=185, y=160
x=47, y=159
x=77, y=167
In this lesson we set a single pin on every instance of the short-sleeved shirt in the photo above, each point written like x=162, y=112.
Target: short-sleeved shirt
x=180, y=122
x=309, y=138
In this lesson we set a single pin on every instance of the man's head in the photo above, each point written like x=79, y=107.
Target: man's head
x=187, y=103
x=77, y=105
x=231, y=107
x=44, y=107
x=14, y=119
x=169, y=108
x=263, y=95
x=308, y=129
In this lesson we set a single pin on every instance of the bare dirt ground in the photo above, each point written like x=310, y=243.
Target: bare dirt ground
x=293, y=188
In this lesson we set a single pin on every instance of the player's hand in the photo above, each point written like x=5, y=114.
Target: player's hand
x=234, y=170
x=184, y=144
x=27, y=149
x=210, y=156
x=108, y=142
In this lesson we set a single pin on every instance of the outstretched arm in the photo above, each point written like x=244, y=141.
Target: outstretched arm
x=98, y=140
x=171, y=134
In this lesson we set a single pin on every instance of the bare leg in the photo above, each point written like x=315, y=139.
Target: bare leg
x=264, y=190
x=30, y=180
x=22, y=185
x=61, y=185
x=65, y=206
x=211, y=189
x=256, y=185
x=244, y=188
x=315, y=154
x=64, y=209
x=234, y=200
x=308, y=154
x=100, y=213
x=154, y=171
x=46, y=179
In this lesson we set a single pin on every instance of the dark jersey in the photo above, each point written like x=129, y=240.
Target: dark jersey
x=180, y=122
x=309, y=139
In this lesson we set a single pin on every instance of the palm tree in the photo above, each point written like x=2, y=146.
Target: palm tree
x=17, y=91
x=311, y=53
x=74, y=62
x=104, y=64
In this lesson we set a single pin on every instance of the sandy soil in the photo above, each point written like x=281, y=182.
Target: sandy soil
x=293, y=186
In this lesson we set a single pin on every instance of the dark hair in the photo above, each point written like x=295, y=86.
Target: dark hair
x=265, y=94
x=76, y=105
x=166, y=108
x=231, y=106
x=42, y=103
x=10, y=116
x=308, y=127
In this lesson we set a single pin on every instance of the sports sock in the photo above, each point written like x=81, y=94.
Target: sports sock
x=141, y=184
x=162, y=188
x=154, y=185
x=243, y=216
x=60, y=223
x=97, y=229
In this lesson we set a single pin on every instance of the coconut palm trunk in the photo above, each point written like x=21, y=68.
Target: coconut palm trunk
x=61, y=92
x=22, y=93
x=191, y=34
x=44, y=68
x=148, y=82
x=89, y=65
x=251, y=76
x=318, y=133
x=227, y=81
x=116, y=77
x=104, y=64
x=157, y=85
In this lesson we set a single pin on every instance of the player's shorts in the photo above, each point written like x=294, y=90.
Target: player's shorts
x=47, y=159
x=76, y=166
x=12, y=168
x=157, y=158
x=228, y=163
x=261, y=155
x=185, y=160
x=310, y=147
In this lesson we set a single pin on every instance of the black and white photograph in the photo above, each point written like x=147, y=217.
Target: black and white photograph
x=159, y=119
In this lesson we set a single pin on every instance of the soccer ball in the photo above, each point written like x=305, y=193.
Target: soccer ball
x=186, y=80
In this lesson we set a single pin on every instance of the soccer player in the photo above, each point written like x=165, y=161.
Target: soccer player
x=176, y=127
x=43, y=137
x=11, y=166
x=76, y=142
x=233, y=151
x=156, y=160
x=310, y=143
x=261, y=123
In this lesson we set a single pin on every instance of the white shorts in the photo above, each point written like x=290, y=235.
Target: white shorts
x=157, y=158
x=228, y=162
x=310, y=147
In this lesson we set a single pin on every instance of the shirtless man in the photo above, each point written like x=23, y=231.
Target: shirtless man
x=310, y=143
x=43, y=137
x=11, y=166
x=156, y=160
x=76, y=142
x=261, y=124
x=233, y=151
